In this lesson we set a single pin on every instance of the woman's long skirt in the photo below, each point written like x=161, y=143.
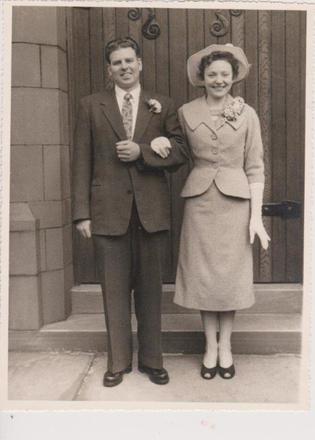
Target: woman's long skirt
x=215, y=268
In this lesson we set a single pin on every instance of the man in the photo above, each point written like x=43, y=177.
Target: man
x=124, y=140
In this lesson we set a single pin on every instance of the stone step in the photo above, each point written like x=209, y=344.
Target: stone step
x=265, y=333
x=270, y=298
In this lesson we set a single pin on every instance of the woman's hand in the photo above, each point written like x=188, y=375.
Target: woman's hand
x=256, y=226
x=161, y=146
x=84, y=228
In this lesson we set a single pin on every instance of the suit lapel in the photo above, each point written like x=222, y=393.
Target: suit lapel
x=143, y=117
x=237, y=123
x=197, y=113
x=111, y=111
x=205, y=116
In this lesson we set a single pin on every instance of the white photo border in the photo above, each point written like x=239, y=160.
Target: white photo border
x=202, y=420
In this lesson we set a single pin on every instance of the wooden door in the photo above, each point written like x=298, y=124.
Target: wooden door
x=274, y=42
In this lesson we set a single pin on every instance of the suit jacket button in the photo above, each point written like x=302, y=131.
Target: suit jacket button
x=129, y=191
x=215, y=150
x=214, y=137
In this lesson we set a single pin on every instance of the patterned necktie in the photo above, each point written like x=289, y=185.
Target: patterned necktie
x=126, y=113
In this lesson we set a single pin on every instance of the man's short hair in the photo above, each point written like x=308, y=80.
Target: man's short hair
x=120, y=43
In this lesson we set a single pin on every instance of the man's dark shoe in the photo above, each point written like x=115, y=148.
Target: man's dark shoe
x=113, y=379
x=156, y=375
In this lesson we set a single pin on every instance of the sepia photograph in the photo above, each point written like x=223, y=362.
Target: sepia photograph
x=157, y=211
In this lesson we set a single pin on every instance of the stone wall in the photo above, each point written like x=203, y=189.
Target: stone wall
x=41, y=271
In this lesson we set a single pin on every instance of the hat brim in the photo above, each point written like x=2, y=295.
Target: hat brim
x=194, y=62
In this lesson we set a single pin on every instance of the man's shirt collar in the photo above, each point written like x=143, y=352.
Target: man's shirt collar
x=120, y=93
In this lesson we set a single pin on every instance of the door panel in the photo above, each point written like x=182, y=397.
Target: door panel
x=274, y=42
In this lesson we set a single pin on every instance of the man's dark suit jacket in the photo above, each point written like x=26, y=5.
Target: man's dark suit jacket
x=103, y=186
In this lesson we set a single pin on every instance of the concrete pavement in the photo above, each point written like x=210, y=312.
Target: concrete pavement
x=75, y=376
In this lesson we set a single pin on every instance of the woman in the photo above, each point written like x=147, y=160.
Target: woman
x=223, y=199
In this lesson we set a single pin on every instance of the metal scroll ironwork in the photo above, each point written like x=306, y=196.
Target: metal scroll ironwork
x=221, y=25
x=134, y=14
x=236, y=12
x=151, y=29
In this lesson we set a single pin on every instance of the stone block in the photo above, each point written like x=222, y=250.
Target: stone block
x=66, y=211
x=35, y=24
x=53, y=296
x=63, y=70
x=65, y=171
x=24, y=303
x=25, y=65
x=39, y=116
x=69, y=281
x=54, y=248
x=22, y=218
x=24, y=253
x=49, y=64
x=62, y=27
x=64, y=118
x=67, y=244
x=54, y=68
x=42, y=250
x=49, y=213
x=52, y=172
x=26, y=173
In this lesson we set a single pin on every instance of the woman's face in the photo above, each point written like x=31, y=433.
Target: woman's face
x=218, y=78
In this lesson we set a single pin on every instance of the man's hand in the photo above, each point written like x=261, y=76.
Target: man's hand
x=127, y=151
x=84, y=228
x=161, y=146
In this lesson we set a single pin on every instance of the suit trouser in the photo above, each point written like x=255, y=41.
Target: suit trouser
x=126, y=262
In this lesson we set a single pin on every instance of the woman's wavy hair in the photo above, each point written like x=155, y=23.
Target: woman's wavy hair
x=215, y=56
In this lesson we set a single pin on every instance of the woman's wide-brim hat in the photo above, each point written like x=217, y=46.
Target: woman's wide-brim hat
x=194, y=62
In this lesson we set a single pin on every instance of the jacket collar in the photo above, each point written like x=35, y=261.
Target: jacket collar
x=111, y=111
x=197, y=113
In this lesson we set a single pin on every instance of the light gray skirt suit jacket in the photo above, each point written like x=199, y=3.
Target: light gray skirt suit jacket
x=215, y=260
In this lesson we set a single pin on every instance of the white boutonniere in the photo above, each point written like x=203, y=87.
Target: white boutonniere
x=154, y=105
x=234, y=109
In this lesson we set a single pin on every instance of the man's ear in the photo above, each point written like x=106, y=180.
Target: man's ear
x=140, y=64
x=109, y=70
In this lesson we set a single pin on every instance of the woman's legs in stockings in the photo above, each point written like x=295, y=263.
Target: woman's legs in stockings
x=226, y=321
x=209, y=320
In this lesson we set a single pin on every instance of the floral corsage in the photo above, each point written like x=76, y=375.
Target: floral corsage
x=154, y=105
x=234, y=109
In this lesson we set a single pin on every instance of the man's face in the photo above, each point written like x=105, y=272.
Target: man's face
x=125, y=68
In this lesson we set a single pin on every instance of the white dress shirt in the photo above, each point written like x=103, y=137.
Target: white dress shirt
x=135, y=93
